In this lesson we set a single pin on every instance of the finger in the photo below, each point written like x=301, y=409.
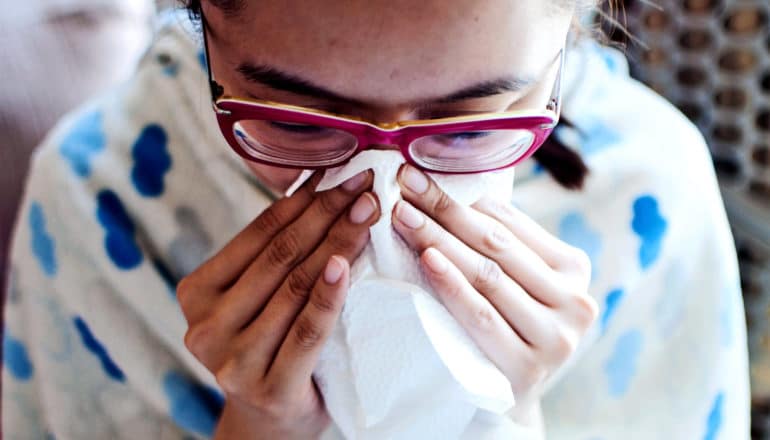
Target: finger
x=478, y=231
x=285, y=251
x=493, y=255
x=230, y=262
x=347, y=239
x=223, y=318
x=298, y=356
x=476, y=315
x=556, y=253
x=519, y=309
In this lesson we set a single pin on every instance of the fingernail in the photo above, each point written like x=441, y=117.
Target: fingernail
x=414, y=179
x=408, y=215
x=355, y=182
x=333, y=271
x=363, y=209
x=436, y=262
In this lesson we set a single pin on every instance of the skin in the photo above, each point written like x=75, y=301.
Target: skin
x=260, y=310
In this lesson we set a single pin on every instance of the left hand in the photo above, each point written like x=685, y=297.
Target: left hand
x=519, y=292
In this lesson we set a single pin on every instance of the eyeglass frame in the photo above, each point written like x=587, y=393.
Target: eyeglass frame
x=230, y=110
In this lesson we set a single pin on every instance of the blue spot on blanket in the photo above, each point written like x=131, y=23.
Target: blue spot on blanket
x=193, y=407
x=85, y=139
x=650, y=226
x=202, y=59
x=94, y=346
x=611, y=303
x=119, y=228
x=16, y=358
x=575, y=230
x=598, y=136
x=622, y=365
x=714, y=421
x=151, y=161
x=43, y=245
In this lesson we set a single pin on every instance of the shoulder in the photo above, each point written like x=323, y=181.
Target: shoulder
x=629, y=132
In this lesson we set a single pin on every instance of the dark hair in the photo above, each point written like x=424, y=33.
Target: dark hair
x=564, y=164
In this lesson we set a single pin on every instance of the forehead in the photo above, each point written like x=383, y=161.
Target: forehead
x=394, y=50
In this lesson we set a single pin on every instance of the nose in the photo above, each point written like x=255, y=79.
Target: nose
x=382, y=147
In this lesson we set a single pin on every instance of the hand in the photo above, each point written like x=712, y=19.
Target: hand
x=260, y=310
x=520, y=293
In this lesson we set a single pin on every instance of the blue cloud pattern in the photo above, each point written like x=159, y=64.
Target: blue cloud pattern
x=85, y=140
x=729, y=310
x=94, y=346
x=16, y=358
x=119, y=240
x=714, y=421
x=193, y=407
x=575, y=230
x=650, y=226
x=622, y=365
x=611, y=303
x=43, y=245
x=202, y=59
x=151, y=161
x=597, y=136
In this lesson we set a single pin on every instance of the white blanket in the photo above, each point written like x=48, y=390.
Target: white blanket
x=136, y=189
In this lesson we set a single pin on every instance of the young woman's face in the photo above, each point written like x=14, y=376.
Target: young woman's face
x=388, y=60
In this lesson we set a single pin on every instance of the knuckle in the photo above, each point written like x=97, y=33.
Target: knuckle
x=342, y=239
x=285, y=249
x=307, y=333
x=483, y=320
x=273, y=405
x=562, y=345
x=200, y=337
x=534, y=374
x=586, y=310
x=268, y=221
x=449, y=291
x=230, y=379
x=530, y=371
x=576, y=260
x=226, y=380
x=329, y=203
x=299, y=283
x=324, y=302
x=185, y=291
x=441, y=204
x=497, y=238
x=488, y=274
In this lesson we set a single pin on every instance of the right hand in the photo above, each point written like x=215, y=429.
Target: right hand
x=261, y=309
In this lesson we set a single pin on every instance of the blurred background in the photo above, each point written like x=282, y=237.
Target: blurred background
x=711, y=58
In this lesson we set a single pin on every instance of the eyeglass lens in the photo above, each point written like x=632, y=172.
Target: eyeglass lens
x=304, y=145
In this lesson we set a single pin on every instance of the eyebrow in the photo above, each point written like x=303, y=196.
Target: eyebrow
x=276, y=79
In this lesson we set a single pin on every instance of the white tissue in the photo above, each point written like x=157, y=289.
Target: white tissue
x=398, y=365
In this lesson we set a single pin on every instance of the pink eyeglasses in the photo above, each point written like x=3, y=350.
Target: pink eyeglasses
x=297, y=137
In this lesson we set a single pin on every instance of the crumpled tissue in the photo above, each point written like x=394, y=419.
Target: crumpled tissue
x=398, y=365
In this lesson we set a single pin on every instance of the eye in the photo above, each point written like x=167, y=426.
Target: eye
x=297, y=128
x=467, y=135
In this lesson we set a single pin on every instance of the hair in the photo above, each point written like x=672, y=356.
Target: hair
x=563, y=163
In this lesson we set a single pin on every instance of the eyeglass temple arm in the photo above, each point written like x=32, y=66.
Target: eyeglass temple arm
x=216, y=89
x=555, y=99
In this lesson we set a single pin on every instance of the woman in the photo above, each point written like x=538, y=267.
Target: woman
x=139, y=188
